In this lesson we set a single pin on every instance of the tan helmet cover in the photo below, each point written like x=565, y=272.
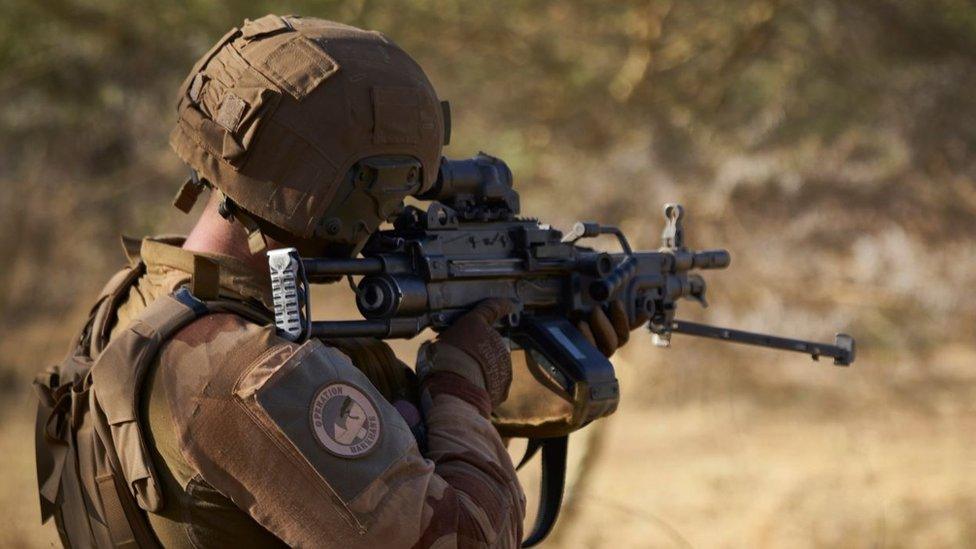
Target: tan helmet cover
x=280, y=110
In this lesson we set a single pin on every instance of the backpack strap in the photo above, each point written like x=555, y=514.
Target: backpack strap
x=128, y=484
x=110, y=298
x=117, y=378
x=96, y=388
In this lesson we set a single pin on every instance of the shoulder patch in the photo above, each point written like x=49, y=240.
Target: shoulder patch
x=329, y=413
x=345, y=420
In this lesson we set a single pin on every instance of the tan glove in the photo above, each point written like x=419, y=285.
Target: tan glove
x=609, y=330
x=473, y=334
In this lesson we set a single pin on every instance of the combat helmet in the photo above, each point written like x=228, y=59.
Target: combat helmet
x=311, y=129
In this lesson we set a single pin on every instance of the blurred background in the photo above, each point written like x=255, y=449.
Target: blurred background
x=829, y=145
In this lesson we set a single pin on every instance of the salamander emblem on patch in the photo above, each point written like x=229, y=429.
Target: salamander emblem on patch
x=345, y=420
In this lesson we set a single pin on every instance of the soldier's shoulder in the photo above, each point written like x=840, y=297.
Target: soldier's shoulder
x=220, y=332
x=211, y=352
x=253, y=413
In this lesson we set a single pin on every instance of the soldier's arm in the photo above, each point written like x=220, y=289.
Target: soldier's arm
x=463, y=376
x=300, y=439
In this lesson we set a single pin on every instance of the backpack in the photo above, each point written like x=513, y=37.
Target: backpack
x=95, y=475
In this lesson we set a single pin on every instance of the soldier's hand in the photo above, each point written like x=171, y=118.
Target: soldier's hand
x=474, y=334
x=609, y=329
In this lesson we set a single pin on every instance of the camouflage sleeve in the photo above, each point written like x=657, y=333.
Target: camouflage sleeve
x=483, y=504
x=300, y=439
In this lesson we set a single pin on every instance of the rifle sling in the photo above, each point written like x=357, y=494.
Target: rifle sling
x=535, y=444
x=551, y=487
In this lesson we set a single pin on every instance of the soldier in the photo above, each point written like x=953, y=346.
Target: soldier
x=181, y=419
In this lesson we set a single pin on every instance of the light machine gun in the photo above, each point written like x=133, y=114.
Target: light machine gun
x=470, y=245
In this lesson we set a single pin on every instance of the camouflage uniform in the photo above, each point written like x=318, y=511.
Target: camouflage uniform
x=227, y=408
x=203, y=419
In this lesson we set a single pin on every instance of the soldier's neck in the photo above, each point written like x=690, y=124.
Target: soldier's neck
x=216, y=235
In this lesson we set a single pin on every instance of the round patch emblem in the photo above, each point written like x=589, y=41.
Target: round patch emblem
x=345, y=421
